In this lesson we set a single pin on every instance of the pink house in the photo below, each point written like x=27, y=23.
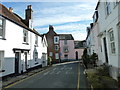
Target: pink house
x=67, y=51
x=70, y=49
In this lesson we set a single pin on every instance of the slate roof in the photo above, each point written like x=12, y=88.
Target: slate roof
x=4, y=12
x=66, y=37
x=79, y=44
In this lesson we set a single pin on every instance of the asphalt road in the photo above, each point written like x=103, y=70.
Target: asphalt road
x=59, y=76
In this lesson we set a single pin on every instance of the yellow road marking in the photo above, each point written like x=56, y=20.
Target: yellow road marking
x=25, y=79
x=78, y=84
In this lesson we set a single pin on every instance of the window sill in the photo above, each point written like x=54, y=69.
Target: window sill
x=25, y=43
x=2, y=38
x=36, y=45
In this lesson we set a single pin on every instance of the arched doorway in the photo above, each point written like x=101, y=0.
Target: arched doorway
x=76, y=53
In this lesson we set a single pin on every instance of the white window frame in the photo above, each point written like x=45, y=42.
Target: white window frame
x=2, y=27
x=56, y=39
x=56, y=55
x=56, y=47
x=108, y=7
x=112, y=42
x=36, y=40
x=25, y=37
x=1, y=59
x=50, y=54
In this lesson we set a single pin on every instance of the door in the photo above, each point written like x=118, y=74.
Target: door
x=26, y=60
x=76, y=55
x=105, y=49
x=17, y=58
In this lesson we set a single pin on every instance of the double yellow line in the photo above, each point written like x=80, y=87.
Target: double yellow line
x=78, y=84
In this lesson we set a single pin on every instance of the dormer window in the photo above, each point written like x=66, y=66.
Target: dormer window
x=25, y=36
x=2, y=27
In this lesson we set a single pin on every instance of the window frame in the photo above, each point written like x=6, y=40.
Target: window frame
x=1, y=59
x=112, y=41
x=57, y=56
x=56, y=47
x=36, y=40
x=3, y=28
x=107, y=7
x=25, y=37
x=56, y=39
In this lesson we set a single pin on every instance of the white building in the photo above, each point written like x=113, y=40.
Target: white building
x=107, y=31
x=21, y=47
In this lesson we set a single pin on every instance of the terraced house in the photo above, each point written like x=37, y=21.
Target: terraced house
x=106, y=27
x=21, y=47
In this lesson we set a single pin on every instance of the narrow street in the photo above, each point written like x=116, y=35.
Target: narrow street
x=69, y=75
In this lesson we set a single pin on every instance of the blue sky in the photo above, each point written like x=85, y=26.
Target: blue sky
x=66, y=17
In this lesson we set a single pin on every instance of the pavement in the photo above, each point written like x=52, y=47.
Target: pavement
x=64, y=75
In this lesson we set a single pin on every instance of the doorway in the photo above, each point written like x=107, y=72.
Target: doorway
x=26, y=60
x=105, y=49
x=17, y=59
x=76, y=55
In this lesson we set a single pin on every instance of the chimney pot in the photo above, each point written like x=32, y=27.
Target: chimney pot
x=10, y=9
x=29, y=7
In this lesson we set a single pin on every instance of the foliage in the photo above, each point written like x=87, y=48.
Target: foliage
x=98, y=79
x=49, y=60
x=103, y=70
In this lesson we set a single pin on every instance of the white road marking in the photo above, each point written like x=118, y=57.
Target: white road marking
x=58, y=72
x=46, y=73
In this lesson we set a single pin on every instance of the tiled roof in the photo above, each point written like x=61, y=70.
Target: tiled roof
x=66, y=37
x=4, y=12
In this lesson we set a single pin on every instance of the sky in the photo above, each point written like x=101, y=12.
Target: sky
x=66, y=17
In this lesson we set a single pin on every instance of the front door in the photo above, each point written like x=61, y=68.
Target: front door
x=17, y=58
x=76, y=55
x=105, y=49
x=26, y=60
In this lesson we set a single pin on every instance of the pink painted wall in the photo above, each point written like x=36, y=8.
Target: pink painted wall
x=71, y=53
x=80, y=52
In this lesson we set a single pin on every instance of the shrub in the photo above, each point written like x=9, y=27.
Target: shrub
x=103, y=70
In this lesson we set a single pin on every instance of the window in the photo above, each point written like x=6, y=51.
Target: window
x=108, y=9
x=36, y=56
x=2, y=27
x=50, y=54
x=25, y=36
x=112, y=42
x=65, y=49
x=56, y=55
x=66, y=56
x=116, y=2
x=56, y=40
x=36, y=39
x=1, y=58
x=56, y=47
x=65, y=42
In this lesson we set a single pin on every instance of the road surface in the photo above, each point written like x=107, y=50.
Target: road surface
x=69, y=75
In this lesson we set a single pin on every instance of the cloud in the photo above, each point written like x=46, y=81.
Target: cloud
x=63, y=14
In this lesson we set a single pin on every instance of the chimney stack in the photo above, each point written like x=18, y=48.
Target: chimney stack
x=29, y=12
x=10, y=9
